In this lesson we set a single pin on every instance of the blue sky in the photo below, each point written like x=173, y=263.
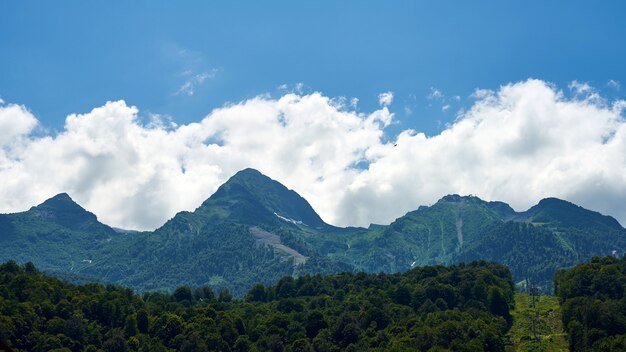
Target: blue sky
x=68, y=57
x=238, y=81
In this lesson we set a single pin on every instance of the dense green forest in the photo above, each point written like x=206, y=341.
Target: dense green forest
x=436, y=308
x=593, y=304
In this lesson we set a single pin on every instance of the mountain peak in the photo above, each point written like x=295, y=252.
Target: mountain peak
x=248, y=190
x=455, y=198
x=552, y=201
x=550, y=210
x=63, y=210
x=249, y=175
x=60, y=202
x=248, y=171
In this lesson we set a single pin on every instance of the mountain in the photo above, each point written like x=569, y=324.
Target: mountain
x=550, y=235
x=63, y=211
x=253, y=229
x=57, y=235
x=249, y=198
x=554, y=212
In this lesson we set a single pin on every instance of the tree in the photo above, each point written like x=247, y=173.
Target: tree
x=130, y=325
x=168, y=326
x=204, y=293
x=193, y=343
x=314, y=322
x=142, y=321
x=497, y=304
x=115, y=343
x=242, y=344
x=301, y=345
x=257, y=293
x=286, y=287
x=225, y=296
x=30, y=268
x=182, y=294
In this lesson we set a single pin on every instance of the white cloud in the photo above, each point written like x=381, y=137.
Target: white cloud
x=15, y=122
x=482, y=93
x=138, y=176
x=524, y=142
x=435, y=94
x=445, y=108
x=580, y=87
x=297, y=88
x=614, y=84
x=189, y=87
x=520, y=144
x=385, y=99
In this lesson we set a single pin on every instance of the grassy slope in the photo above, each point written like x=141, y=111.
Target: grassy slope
x=549, y=329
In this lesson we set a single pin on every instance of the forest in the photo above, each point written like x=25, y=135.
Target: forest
x=464, y=307
x=593, y=304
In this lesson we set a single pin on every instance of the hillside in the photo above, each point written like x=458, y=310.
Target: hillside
x=537, y=325
x=253, y=229
x=57, y=235
x=534, y=244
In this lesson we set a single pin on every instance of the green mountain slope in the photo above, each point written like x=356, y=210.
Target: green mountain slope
x=249, y=198
x=558, y=213
x=534, y=244
x=253, y=229
x=57, y=235
x=250, y=230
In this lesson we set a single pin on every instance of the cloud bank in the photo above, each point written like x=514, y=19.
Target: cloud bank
x=518, y=144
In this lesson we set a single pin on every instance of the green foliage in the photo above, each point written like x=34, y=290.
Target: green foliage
x=594, y=305
x=255, y=230
x=552, y=235
x=211, y=247
x=351, y=312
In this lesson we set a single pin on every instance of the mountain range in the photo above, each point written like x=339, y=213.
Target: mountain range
x=254, y=229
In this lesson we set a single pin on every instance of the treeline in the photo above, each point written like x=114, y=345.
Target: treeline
x=593, y=304
x=460, y=308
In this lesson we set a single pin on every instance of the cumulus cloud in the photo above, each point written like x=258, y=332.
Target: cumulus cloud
x=15, y=122
x=521, y=143
x=385, y=99
x=137, y=176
